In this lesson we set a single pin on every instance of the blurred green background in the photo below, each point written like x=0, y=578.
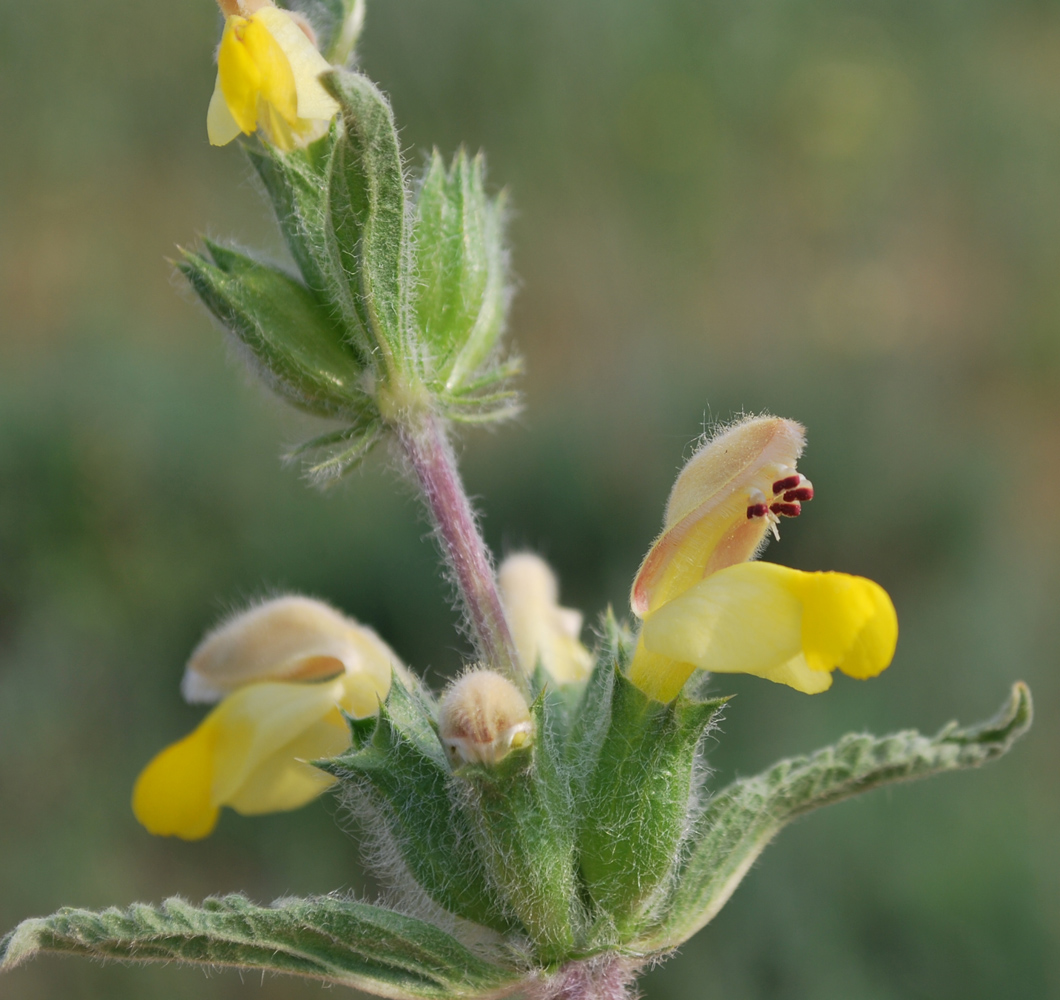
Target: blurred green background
x=843, y=212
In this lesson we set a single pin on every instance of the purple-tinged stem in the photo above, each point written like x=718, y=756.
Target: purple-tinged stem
x=606, y=977
x=434, y=464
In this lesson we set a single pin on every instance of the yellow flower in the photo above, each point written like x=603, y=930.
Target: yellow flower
x=284, y=668
x=543, y=632
x=705, y=606
x=268, y=77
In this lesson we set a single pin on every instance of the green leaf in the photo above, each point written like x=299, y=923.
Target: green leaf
x=636, y=759
x=743, y=818
x=367, y=204
x=297, y=346
x=461, y=267
x=523, y=821
x=326, y=938
x=403, y=769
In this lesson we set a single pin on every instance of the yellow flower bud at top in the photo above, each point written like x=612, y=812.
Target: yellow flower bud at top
x=543, y=632
x=268, y=78
x=705, y=607
x=277, y=713
x=482, y=718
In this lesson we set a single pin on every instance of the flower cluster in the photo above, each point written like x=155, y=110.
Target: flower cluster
x=286, y=667
x=287, y=670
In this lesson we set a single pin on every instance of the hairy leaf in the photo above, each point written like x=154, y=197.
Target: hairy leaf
x=290, y=335
x=523, y=820
x=633, y=790
x=338, y=453
x=742, y=819
x=367, y=204
x=351, y=944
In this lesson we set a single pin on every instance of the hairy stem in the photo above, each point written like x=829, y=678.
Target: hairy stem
x=434, y=464
x=606, y=977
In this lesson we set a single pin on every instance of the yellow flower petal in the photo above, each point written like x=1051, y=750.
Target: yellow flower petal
x=778, y=623
x=248, y=753
x=239, y=75
x=221, y=127
x=277, y=80
x=363, y=691
x=173, y=797
x=658, y=676
x=306, y=63
x=268, y=78
x=848, y=622
x=287, y=780
x=257, y=721
x=707, y=526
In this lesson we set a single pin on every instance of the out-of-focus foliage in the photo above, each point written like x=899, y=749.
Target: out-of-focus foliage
x=846, y=214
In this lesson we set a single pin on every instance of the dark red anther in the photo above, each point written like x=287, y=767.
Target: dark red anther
x=787, y=483
x=786, y=509
x=757, y=510
x=803, y=493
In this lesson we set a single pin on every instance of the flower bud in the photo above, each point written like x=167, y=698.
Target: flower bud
x=268, y=70
x=732, y=491
x=543, y=632
x=483, y=717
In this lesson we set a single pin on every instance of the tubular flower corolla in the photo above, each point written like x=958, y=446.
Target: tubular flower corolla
x=705, y=606
x=543, y=632
x=268, y=78
x=283, y=670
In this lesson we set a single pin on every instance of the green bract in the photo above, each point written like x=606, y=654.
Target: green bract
x=402, y=293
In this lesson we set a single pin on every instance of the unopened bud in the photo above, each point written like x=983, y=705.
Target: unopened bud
x=482, y=718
